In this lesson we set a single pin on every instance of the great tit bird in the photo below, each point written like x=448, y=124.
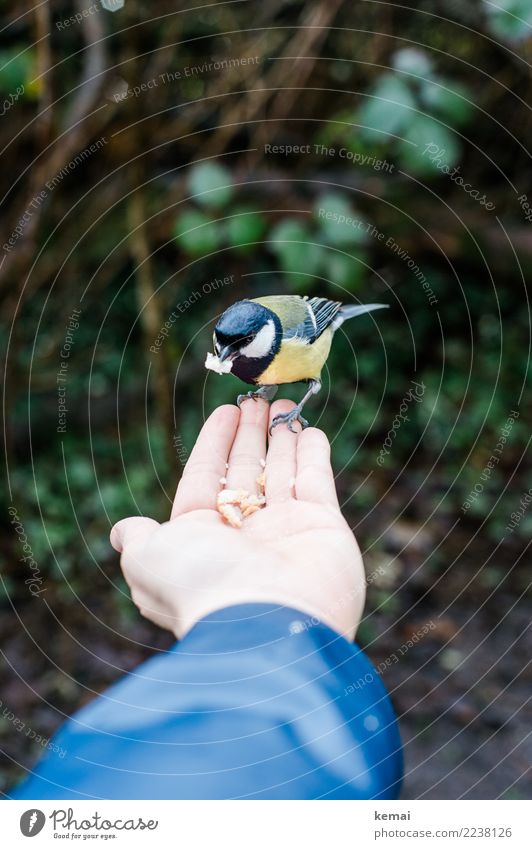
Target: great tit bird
x=279, y=339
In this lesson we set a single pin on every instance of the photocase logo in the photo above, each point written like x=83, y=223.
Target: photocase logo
x=32, y=822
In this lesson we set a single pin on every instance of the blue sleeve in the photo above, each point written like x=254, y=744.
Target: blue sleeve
x=256, y=702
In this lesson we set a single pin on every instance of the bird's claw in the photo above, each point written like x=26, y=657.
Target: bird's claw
x=241, y=398
x=288, y=419
x=267, y=393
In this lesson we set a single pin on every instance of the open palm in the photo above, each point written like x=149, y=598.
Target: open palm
x=298, y=551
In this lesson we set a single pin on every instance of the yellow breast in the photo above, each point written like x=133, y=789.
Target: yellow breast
x=298, y=361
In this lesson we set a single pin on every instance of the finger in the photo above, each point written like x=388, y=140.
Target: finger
x=314, y=477
x=249, y=447
x=134, y=529
x=200, y=482
x=281, y=458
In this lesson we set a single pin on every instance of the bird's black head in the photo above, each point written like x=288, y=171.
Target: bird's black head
x=250, y=335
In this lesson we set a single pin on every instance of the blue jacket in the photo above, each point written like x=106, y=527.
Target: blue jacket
x=256, y=702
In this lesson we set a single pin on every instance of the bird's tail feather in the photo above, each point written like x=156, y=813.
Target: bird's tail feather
x=352, y=310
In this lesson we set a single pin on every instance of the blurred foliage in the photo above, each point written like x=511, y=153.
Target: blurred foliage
x=18, y=71
x=303, y=249
x=405, y=111
x=216, y=204
x=511, y=19
x=223, y=174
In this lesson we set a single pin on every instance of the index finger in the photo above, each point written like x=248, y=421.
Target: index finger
x=314, y=478
x=200, y=483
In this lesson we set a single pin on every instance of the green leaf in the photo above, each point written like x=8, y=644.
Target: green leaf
x=244, y=227
x=411, y=60
x=451, y=100
x=81, y=473
x=16, y=68
x=387, y=110
x=285, y=231
x=344, y=270
x=334, y=130
x=210, y=184
x=339, y=224
x=512, y=19
x=298, y=255
x=196, y=233
x=301, y=263
x=428, y=146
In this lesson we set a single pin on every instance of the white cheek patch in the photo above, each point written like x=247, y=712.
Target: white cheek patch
x=262, y=344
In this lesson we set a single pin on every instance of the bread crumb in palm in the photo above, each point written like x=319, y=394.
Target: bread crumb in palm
x=234, y=505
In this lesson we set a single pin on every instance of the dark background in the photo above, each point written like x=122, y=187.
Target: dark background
x=181, y=191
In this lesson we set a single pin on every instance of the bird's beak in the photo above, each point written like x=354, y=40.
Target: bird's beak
x=226, y=354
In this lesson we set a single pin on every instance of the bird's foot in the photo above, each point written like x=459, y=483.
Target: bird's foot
x=241, y=398
x=289, y=418
x=265, y=392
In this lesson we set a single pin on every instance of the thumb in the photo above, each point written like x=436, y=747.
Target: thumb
x=133, y=528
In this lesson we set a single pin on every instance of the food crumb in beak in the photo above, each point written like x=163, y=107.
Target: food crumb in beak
x=214, y=363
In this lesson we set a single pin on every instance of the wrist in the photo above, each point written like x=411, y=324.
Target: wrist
x=193, y=611
x=342, y=617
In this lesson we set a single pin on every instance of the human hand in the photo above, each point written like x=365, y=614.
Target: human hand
x=298, y=551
